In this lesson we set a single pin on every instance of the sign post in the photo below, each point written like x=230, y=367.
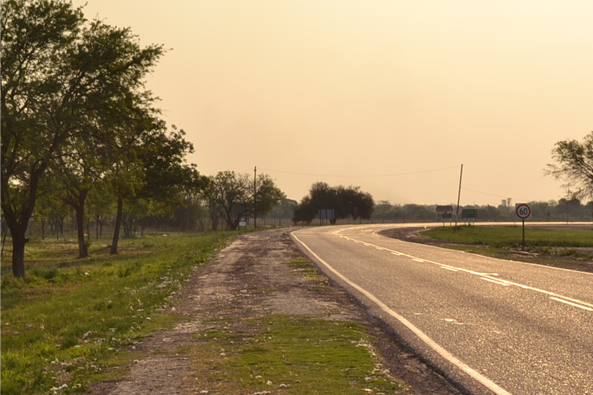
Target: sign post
x=523, y=211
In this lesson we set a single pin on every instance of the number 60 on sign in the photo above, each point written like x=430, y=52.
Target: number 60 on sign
x=523, y=211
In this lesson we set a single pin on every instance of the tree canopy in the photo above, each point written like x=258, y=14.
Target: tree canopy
x=75, y=114
x=574, y=165
x=345, y=201
x=233, y=194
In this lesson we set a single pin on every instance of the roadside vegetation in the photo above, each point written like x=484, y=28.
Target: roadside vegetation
x=68, y=320
x=547, y=244
x=298, y=354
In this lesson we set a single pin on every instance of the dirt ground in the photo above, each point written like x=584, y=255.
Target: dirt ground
x=247, y=278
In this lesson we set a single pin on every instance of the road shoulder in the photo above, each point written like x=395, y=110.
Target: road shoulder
x=249, y=278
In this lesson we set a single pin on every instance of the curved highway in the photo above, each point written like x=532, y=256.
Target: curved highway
x=492, y=326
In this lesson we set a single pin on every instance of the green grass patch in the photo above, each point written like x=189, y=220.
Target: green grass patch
x=509, y=236
x=69, y=318
x=294, y=354
x=304, y=268
x=497, y=241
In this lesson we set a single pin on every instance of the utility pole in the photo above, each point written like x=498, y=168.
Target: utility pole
x=255, y=197
x=458, y=195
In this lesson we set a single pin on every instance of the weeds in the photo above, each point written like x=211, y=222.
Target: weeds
x=551, y=242
x=296, y=354
x=66, y=320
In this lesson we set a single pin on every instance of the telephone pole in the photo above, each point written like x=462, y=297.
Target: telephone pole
x=458, y=196
x=255, y=197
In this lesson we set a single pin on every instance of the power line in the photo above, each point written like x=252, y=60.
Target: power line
x=484, y=193
x=491, y=194
x=361, y=176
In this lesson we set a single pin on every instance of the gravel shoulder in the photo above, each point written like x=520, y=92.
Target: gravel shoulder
x=251, y=277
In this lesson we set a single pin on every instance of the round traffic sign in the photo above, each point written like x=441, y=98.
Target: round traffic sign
x=523, y=211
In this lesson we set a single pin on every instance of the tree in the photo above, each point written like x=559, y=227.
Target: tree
x=164, y=179
x=59, y=73
x=352, y=202
x=35, y=36
x=411, y=212
x=345, y=201
x=268, y=196
x=284, y=210
x=74, y=173
x=233, y=195
x=574, y=165
x=100, y=205
x=384, y=210
x=126, y=176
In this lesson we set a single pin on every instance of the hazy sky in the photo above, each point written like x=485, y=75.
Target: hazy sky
x=389, y=95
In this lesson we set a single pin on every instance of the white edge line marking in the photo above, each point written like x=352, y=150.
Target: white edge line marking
x=485, y=381
x=572, y=304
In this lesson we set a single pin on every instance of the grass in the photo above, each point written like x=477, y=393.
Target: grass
x=70, y=321
x=66, y=321
x=291, y=354
x=491, y=240
x=294, y=354
x=508, y=236
x=303, y=268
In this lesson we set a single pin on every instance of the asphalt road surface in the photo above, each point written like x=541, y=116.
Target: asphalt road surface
x=491, y=326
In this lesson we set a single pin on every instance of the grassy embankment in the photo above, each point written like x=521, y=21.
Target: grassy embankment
x=498, y=241
x=70, y=319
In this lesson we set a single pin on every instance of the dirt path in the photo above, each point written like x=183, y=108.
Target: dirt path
x=250, y=278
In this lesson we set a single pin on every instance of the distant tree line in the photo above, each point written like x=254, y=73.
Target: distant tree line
x=562, y=210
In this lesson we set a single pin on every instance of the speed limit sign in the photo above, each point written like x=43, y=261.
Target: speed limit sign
x=523, y=211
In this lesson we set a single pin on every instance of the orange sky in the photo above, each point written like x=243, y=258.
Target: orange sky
x=392, y=96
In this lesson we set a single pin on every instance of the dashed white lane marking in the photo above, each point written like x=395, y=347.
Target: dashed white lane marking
x=580, y=306
x=485, y=381
x=495, y=281
x=491, y=277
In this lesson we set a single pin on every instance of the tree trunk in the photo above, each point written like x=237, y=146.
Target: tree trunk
x=18, y=252
x=18, y=222
x=18, y=231
x=128, y=223
x=82, y=247
x=118, y=219
x=82, y=250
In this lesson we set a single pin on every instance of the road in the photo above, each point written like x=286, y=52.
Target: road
x=491, y=326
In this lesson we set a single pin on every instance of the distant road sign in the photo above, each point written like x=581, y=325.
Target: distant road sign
x=444, y=209
x=469, y=213
x=523, y=210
